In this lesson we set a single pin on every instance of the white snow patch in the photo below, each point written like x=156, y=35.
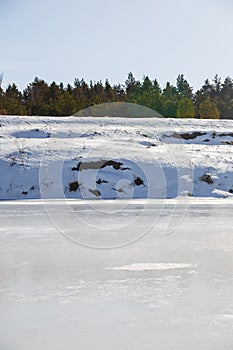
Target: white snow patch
x=152, y=266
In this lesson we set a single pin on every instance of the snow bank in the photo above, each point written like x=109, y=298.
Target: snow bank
x=84, y=157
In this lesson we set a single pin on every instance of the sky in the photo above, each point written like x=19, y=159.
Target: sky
x=60, y=40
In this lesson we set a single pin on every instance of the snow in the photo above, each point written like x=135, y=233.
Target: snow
x=167, y=156
x=152, y=266
x=150, y=270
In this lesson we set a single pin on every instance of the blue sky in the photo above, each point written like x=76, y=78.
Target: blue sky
x=60, y=40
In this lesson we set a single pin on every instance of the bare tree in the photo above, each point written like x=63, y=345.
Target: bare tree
x=1, y=79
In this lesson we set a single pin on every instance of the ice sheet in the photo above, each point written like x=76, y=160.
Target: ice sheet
x=163, y=291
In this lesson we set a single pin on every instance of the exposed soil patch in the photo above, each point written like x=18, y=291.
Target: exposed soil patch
x=119, y=190
x=74, y=186
x=13, y=161
x=227, y=142
x=99, y=164
x=99, y=182
x=95, y=192
x=213, y=135
x=114, y=164
x=138, y=181
x=226, y=134
x=206, y=178
x=193, y=135
x=186, y=135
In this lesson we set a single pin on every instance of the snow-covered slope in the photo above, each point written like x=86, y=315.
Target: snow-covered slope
x=72, y=157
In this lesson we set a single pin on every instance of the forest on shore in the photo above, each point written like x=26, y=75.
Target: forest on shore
x=213, y=100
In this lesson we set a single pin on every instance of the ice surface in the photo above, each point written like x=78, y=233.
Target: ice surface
x=165, y=290
x=151, y=267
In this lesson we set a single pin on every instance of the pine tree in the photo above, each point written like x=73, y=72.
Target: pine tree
x=150, y=94
x=12, y=101
x=36, y=97
x=226, y=99
x=183, y=87
x=132, y=88
x=209, y=110
x=185, y=108
x=169, y=101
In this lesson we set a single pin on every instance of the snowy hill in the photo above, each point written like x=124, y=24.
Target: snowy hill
x=85, y=157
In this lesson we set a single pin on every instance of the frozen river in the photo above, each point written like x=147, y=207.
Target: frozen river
x=116, y=275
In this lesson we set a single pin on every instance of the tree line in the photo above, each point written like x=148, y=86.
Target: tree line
x=213, y=100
